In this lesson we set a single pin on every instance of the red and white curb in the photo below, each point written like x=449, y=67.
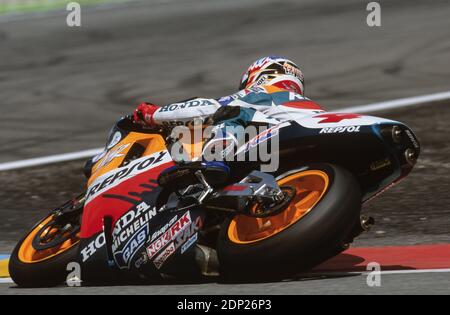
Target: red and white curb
x=391, y=259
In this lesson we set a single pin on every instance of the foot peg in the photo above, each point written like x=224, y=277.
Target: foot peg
x=182, y=176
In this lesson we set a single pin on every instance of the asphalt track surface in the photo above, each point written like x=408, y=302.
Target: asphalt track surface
x=61, y=89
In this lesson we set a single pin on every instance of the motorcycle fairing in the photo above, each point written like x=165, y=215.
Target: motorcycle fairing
x=336, y=119
x=361, y=144
x=123, y=194
x=123, y=181
x=112, y=193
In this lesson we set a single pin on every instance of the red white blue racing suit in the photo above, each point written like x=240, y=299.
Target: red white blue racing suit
x=267, y=104
x=261, y=103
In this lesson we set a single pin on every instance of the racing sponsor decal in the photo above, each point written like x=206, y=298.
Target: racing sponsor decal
x=262, y=137
x=290, y=69
x=230, y=98
x=189, y=236
x=199, y=102
x=124, y=257
x=162, y=230
x=377, y=165
x=161, y=259
x=131, y=222
x=118, y=176
x=336, y=117
x=412, y=139
x=93, y=247
x=189, y=243
x=349, y=129
x=168, y=236
x=262, y=80
x=113, y=154
x=115, y=140
x=243, y=95
x=187, y=233
x=185, y=239
x=132, y=228
x=332, y=120
x=142, y=260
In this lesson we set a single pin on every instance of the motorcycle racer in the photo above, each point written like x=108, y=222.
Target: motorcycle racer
x=269, y=82
x=270, y=91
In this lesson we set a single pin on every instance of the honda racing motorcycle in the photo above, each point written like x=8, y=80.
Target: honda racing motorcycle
x=139, y=218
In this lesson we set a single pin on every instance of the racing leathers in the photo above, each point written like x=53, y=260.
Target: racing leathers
x=263, y=104
x=270, y=102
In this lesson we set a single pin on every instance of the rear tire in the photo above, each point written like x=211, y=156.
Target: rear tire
x=317, y=236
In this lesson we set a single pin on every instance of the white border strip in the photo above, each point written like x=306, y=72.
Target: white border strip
x=375, y=107
x=365, y=273
x=407, y=272
x=399, y=103
x=50, y=159
x=6, y=281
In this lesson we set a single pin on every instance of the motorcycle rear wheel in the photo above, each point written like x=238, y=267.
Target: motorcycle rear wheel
x=312, y=229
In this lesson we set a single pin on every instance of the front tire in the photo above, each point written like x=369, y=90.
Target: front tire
x=311, y=230
x=41, y=257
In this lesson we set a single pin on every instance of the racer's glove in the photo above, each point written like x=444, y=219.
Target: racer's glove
x=143, y=115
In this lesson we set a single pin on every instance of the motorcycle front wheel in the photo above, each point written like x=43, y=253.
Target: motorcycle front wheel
x=312, y=229
x=41, y=257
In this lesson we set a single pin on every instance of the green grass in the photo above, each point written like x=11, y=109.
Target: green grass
x=43, y=5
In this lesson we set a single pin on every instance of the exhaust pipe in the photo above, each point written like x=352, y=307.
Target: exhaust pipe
x=365, y=225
